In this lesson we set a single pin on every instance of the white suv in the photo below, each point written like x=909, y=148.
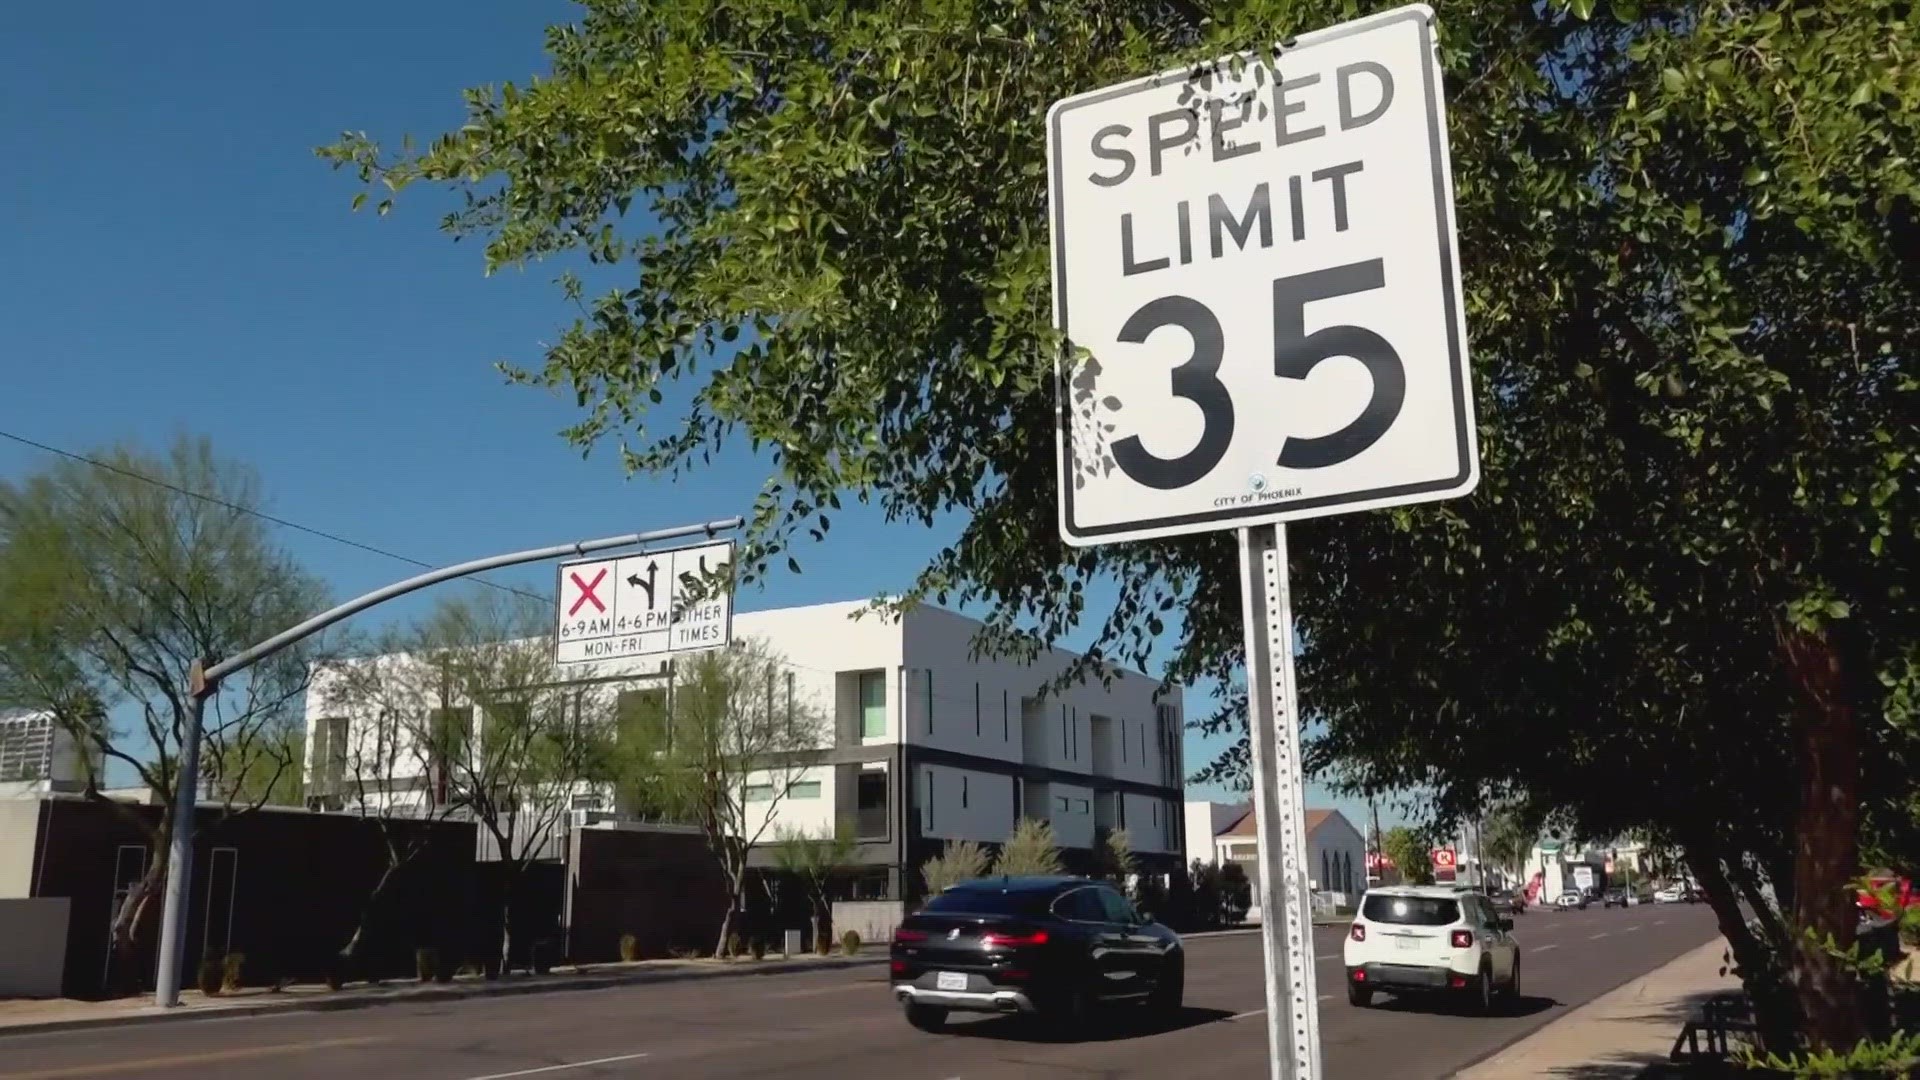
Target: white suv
x=1411, y=938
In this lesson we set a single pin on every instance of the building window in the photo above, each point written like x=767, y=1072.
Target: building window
x=926, y=797
x=929, y=701
x=1064, y=752
x=963, y=791
x=804, y=789
x=1326, y=871
x=976, y=710
x=330, y=748
x=873, y=704
x=759, y=792
x=640, y=719
x=1080, y=806
x=1005, y=730
x=1060, y=803
x=870, y=805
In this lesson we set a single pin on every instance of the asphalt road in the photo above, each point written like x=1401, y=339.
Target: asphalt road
x=821, y=1025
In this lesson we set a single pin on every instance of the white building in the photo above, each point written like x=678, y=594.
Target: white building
x=38, y=755
x=928, y=744
x=1336, y=851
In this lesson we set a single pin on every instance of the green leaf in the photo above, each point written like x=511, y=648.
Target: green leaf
x=359, y=201
x=1673, y=80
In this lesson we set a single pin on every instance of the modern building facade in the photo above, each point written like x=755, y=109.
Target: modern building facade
x=923, y=743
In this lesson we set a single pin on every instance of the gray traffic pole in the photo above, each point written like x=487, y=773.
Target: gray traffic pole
x=206, y=682
x=186, y=799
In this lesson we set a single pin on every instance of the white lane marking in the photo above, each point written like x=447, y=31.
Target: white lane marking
x=1328, y=956
x=1598, y=936
x=824, y=990
x=1629, y=930
x=1659, y=922
x=1542, y=948
x=1244, y=1015
x=1326, y=997
x=558, y=1068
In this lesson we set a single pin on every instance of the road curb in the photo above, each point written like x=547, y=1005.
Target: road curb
x=346, y=1003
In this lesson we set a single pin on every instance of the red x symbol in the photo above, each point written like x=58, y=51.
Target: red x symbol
x=586, y=592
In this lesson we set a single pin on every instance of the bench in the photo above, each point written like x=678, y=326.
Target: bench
x=1713, y=1024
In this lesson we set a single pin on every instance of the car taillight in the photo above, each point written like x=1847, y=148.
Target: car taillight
x=1358, y=933
x=899, y=967
x=904, y=936
x=1013, y=941
x=1463, y=939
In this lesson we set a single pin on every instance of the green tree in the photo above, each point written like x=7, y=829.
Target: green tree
x=114, y=580
x=958, y=861
x=813, y=860
x=1030, y=850
x=727, y=756
x=1115, y=856
x=1408, y=852
x=1207, y=899
x=494, y=733
x=1236, y=891
x=1508, y=835
x=1691, y=558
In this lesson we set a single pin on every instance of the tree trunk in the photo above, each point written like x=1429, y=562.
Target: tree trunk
x=124, y=935
x=1759, y=966
x=367, y=907
x=736, y=893
x=1826, y=838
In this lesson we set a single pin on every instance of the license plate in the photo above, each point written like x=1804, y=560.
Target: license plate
x=1407, y=943
x=950, y=980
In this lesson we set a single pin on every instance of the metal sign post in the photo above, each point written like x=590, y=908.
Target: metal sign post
x=1279, y=805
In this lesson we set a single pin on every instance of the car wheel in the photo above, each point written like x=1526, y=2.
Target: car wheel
x=1074, y=1009
x=927, y=1017
x=1513, y=984
x=1359, y=996
x=1482, y=988
x=1170, y=992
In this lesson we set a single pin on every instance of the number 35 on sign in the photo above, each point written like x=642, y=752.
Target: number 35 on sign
x=1256, y=265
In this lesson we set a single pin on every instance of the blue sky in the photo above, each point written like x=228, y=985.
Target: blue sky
x=179, y=261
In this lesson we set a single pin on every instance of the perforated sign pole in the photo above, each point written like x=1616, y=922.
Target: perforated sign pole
x=1279, y=805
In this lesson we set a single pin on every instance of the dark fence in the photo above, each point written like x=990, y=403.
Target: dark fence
x=283, y=887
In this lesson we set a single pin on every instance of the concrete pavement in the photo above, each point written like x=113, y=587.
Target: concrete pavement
x=1618, y=1035
x=833, y=1024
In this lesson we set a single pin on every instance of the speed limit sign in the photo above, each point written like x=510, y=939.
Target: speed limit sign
x=1257, y=268
x=1255, y=264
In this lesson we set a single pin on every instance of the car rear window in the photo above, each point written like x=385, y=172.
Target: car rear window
x=1023, y=902
x=1410, y=910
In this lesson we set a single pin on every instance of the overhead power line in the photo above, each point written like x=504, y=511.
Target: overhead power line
x=251, y=512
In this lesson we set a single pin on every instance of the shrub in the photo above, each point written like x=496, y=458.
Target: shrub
x=212, y=972
x=850, y=943
x=233, y=971
x=426, y=964
x=629, y=948
x=758, y=947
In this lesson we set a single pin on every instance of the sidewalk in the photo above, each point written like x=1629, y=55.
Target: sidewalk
x=25, y=1017
x=1623, y=1034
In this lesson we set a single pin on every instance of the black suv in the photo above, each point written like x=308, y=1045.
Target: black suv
x=1055, y=946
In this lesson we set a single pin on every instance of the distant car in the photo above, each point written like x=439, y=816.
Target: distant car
x=1615, y=898
x=1672, y=894
x=1426, y=939
x=1508, y=902
x=1572, y=898
x=1059, y=947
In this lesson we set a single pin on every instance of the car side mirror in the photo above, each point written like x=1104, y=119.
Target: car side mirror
x=1143, y=917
